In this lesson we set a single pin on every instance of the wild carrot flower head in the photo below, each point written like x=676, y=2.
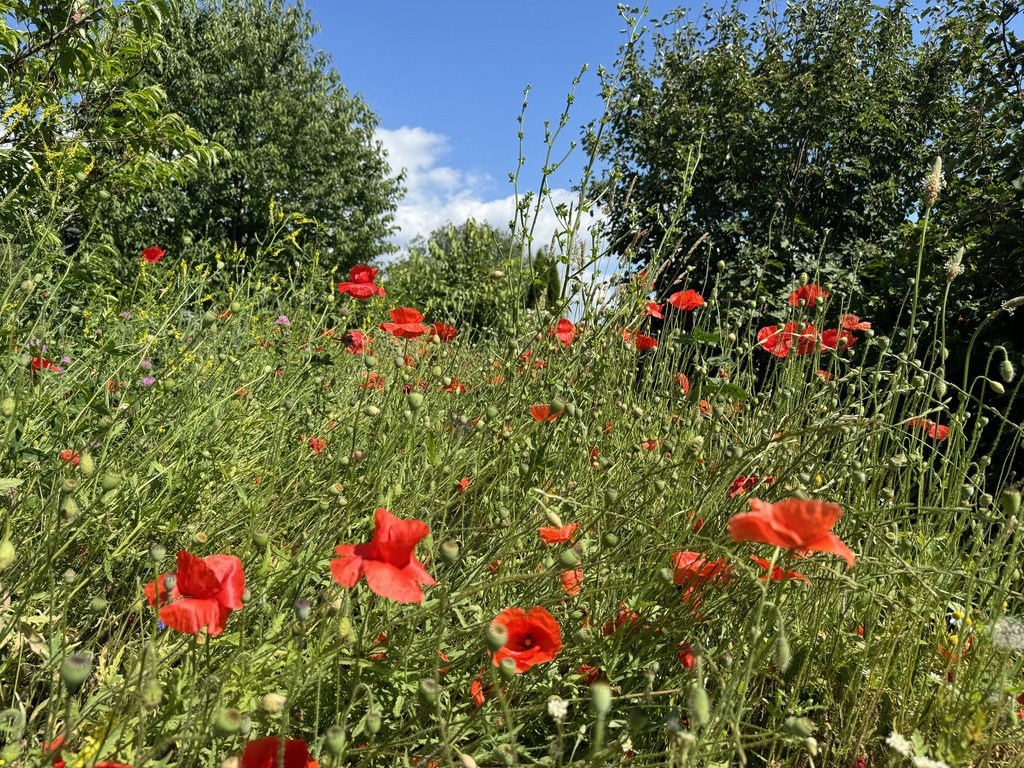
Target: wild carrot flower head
x=533, y=638
x=205, y=592
x=799, y=525
x=388, y=561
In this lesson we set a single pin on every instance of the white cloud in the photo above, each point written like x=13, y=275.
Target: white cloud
x=438, y=194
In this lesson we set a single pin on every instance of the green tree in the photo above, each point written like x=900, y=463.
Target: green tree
x=76, y=125
x=244, y=74
x=815, y=127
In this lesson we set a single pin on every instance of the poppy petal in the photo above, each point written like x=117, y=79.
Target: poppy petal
x=388, y=581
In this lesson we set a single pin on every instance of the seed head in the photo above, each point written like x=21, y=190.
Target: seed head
x=933, y=184
x=1008, y=633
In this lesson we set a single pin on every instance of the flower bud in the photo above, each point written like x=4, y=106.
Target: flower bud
x=334, y=740
x=782, y=654
x=157, y=551
x=261, y=539
x=152, y=694
x=374, y=722
x=601, y=697
x=209, y=319
x=427, y=691
x=507, y=668
x=110, y=480
x=303, y=609
x=610, y=496
x=496, y=637
x=1006, y=371
x=610, y=539
x=450, y=551
x=996, y=387
x=492, y=412
x=98, y=605
x=1009, y=499
x=497, y=274
x=7, y=407
x=568, y=558
x=7, y=553
x=75, y=670
x=227, y=722
x=87, y=465
x=700, y=707
x=415, y=400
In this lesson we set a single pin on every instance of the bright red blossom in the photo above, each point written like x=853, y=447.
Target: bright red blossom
x=836, y=339
x=688, y=299
x=533, y=638
x=564, y=331
x=743, y=483
x=572, y=581
x=264, y=753
x=406, y=323
x=807, y=295
x=68, y=455
x=558, y=535
x=799, y=525
x=779, y=341
x=206, y=591
x=853, y=323
x=542, y=412
x=935, y=431
x=388, y=561
x=317, y=444
x=654, y=310
x=42, y=364
x=444, y=332
x=360, y=283
x=777, y=574
x=694, y=569
x=153, y=255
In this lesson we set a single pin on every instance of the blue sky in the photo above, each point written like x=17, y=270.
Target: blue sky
x=447, y=80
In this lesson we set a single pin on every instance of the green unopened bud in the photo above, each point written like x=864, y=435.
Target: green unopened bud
x=303, y=608
x=334, y=740
x=415, y=400
x=601, y=697
x=782, y=654
x=374, y=722
x=372, y=411
x=800, y=727
x=700, y=707
x=157, y=551
x=261, y=539
x=568, y=558
x=1009, y=499
x=497, y=274
x=110, y=480
x=7, y=553
x=450, y=551
x=660, y=486
x=427, y=691
x=209, y=319
x=666, y=576
x=98, y=605
x=996, y=387
x=610, y=539
x=811, y=745
x=553, y=519
x=557, y=405
x=496, y=637
x=1006, y=371
x=227, y=722
x=69, y=508
x=152, y=694
x=492, y=412
x=87, y=465
x=610, y=496
x=75, y=670
x=7, y=407
x=507, y=668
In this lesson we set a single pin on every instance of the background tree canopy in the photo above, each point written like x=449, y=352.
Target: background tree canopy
x=816, y=126
x=244, y=74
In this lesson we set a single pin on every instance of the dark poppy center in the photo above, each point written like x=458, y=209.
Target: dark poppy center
x=527, y=642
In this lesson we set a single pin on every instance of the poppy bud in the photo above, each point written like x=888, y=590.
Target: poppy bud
x=450, y=551
x=700, y=707
x=273, y=703
x=811, y=745
x=720, y=266
x=209, y=319
x=335, y=740
x=782, y=655
x=996, y=386
x=370, y=361
x=427, y=691
x=492, y=412
x=345, y=630
x=7, y=407
x=567, y=558
x=261, y=539
x=157, y=551
x=7, y=553
x=374, y=722
x=1006, y=371
x=660, y=485
x=556, y=405
x=553, y=519
x=666, y=575
x=110, y=480
x=303, y=608
x=507, y=668
x=610, y=539
x=152, y=694
x=69, y=508
x=86, y=465
x=495, y=637
x=98, y=605
x=415, y=400
x=68, y=485
x=372, y=411
x=75, y=670
x=244, y=725
x=70, y=576
x=1010, y=501
x=227, y=722
x=610, y=496
x=497, y=274
x=801, y=727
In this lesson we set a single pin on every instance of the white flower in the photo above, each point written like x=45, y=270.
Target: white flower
x=900, y=743
x=926, y=762
x=1008, y=633
x=558, y=708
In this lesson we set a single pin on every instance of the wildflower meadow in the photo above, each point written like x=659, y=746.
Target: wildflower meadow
x=289, y=521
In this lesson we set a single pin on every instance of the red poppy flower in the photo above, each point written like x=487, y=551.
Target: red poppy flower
x=572, y=581
x=807, y=295
x=589, y=673
x=357, y=342
x=444, y=332
x=935, y=431
x=825, y=375
x=564, y=331
x=654, y=310
x=799, y=525
x=639, y=340
x=694, y=569
x=380, y=645
x=624, y=616
x=405, y=323
x=853, y=323
x=684, y=382
x=688, y=299
x=317, y=444
x=456, y=386
x=68, y=455
x=388, y=561
x=685, y=655
x=743, y=483
x=558, y=535
x=779, y=341
x=462, y=485
x=835, y=338
x=360, y=285
x=478, y=691
x=153, y=255
x=777, y=574
x=374, y=381
x=533, y=638
x=542, y=412
x=205, y=593
x=265, y=753
x=42, y=364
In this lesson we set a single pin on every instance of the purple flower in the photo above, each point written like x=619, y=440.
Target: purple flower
x=65, y=360
x=283, y=321
x=146, y=365
x=126, y=315
x=148, y=381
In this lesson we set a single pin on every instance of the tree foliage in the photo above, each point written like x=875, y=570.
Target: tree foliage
x=245, y=75
x=815, y=126
x=77, y=125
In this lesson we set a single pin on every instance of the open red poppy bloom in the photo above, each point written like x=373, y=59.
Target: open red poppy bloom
x=444, y=332
x=405, y=323
x=935, y=431
x=317, y=444
x=357, y=342
x=205, y=593
x=360, y=283
x=153, y=255
x=533, y=638
x=264, y=753
x=639, y=340
x=462, y=485
x=388, y=561
x=853, y=323
x=799, y=525
x=542, y=412
x=779, y=341
x=836, y=338
x=572, y=581
x=807, y=295
x=683, y=381
x=777, y=574
x=743, y=483
x=694, y=569
x=688, y=299
x=564, y=331
x=42, y=364
x=654, y=310
x=558, y=535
